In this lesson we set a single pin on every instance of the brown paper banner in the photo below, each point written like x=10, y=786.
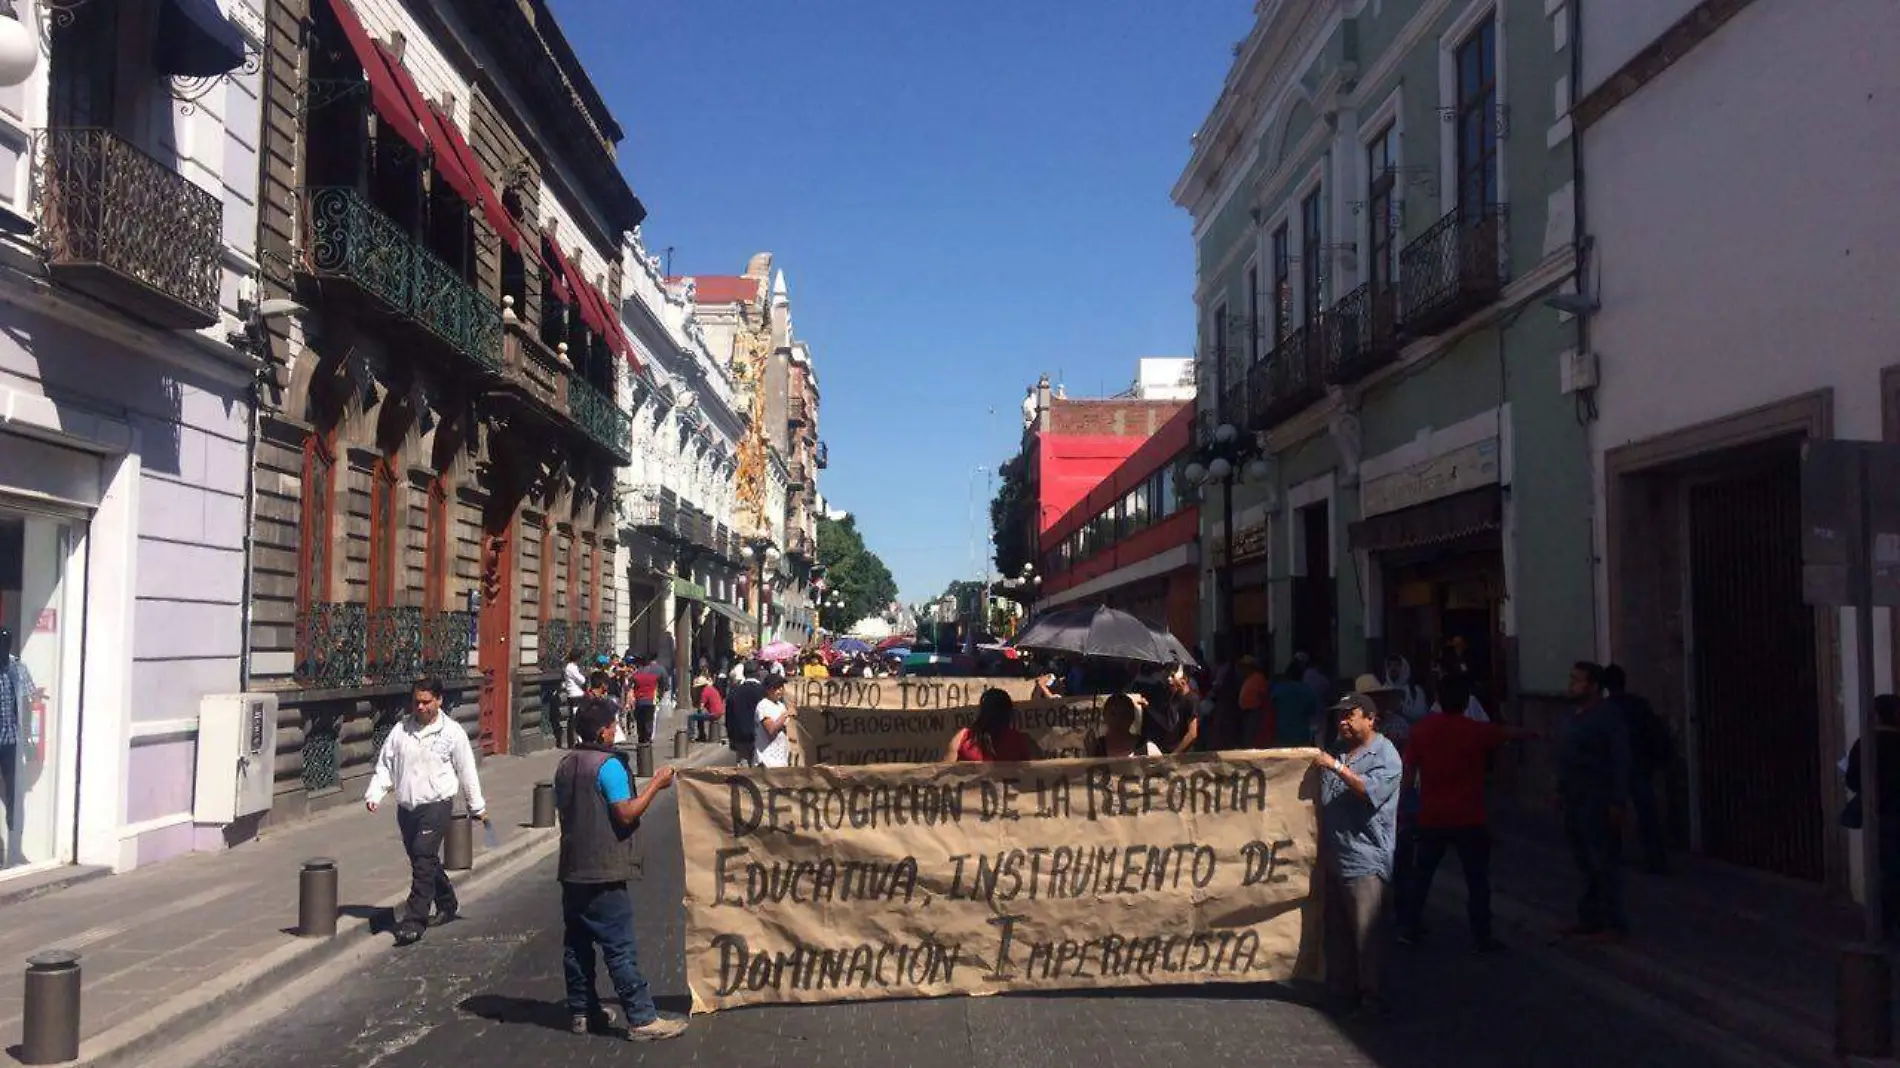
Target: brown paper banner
x=822, y=883
x=906, y=694
x=1060, y=727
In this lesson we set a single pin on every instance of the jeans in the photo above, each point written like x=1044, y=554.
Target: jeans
x=1597, y=849
x=1648, y=818
x=423, y=828
x=1474, y=856
x=643, y=721
x=701, y=726
x=1354, y=914
x=601, y=914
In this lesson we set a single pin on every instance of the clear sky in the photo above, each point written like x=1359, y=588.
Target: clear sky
x=963, y=194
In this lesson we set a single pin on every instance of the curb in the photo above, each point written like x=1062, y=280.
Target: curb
x=140, y=1040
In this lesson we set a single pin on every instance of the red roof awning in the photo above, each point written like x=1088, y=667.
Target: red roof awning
x=577, y=289
x=483, y=194
x=557, y=271
x=385, y=91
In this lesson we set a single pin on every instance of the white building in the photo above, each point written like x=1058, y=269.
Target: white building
x=680, y=544
x=125, y=412
x=1740, y=197
x=1165, y=378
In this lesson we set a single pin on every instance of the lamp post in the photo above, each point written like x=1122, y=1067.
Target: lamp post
x=765, y=555
x=1228, y=456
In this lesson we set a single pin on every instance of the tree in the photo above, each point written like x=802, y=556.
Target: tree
x=1012, y=518
x=853, y=572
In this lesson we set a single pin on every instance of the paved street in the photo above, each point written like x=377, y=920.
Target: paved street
x=486, y=991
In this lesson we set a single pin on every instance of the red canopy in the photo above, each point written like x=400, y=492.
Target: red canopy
x=386, y=93
x=577, y=289
x=485, y=196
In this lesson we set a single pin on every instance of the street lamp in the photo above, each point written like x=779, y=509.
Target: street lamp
x=1226, y=455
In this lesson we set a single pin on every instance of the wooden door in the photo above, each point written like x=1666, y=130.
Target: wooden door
x=494, y=632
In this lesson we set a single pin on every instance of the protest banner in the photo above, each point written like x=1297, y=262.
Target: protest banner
x=903, y=694
x=1060, y=727
x=828, y=883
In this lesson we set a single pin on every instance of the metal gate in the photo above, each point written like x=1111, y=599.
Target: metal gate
x=1757, y=726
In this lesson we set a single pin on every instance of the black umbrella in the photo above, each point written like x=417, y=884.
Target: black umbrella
x=1103, y=631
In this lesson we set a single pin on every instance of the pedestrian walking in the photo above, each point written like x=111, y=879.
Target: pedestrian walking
x=1651, y=751
x=573, y=691
x=645, y=684
x=1358, y=812
x=425, y=759
x=1593, y=785
x=1446, y=762
x=742, y=715
x=593, y=793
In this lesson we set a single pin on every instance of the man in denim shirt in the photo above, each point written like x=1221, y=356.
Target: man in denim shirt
x=1358, y=814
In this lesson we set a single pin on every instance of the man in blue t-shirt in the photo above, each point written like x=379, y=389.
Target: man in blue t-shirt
x=1358, y=822
x=593, y=792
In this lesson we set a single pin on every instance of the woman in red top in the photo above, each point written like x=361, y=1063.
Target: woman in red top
x=993, y=736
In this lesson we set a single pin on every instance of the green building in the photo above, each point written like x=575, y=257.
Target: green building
x=1383, y=218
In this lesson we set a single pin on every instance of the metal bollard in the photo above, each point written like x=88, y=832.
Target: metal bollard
x=643, y=760
x=1863, y=1003
x=50, y=1032
x=679, y=743
x=543, y=804
x=316, y=898
x=458, y=850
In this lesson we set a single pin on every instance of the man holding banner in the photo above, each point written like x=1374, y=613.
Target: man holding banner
x=1358, y=811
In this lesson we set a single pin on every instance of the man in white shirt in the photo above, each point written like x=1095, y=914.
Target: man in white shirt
x=774, y=742
x=426, y=759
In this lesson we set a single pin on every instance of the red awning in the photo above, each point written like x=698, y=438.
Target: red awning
x=557, y=273
x=483, y=194
x=385, y=91
x=590, y=311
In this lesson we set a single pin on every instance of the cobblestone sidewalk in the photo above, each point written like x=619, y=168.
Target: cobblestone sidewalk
x=161, y=944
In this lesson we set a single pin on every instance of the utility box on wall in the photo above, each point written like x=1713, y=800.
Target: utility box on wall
x=237, y=747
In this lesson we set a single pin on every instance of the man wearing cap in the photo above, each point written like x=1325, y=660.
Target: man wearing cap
x=1358, y=812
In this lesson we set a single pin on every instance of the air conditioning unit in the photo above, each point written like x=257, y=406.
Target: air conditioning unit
x=237, y=756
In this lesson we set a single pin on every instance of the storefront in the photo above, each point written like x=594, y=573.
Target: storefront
x=42, y=579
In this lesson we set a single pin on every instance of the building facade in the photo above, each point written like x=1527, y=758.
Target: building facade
x=681, y=548
x=1710, y=377
x=1381, y=201
x=442, y=215
x=128, y=201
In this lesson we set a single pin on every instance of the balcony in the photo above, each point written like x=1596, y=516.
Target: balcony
x=798, y=476
x=332, y=639
x=1364, y=335
x=346, y=239
x=653, y=510
x=1453, y=269
x=395, y=644
x=1235, y=404
x=798, y=545
x=601, y=419
x=1293, y=376
x=821, y=455
x=124, y=228
x=797, y=412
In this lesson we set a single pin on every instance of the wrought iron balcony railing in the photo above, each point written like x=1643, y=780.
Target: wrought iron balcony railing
x=821, y=455
x=120, y=226
x=797, y=411
x=799, y=544
x=348, y=239
x=332, y=638
x=798, y=476
x=395, y=643
x=603, y=420
x=1294, y=378
x=445, y=643
x=1364, y=335
x=1453, y=269
x=1236, y=403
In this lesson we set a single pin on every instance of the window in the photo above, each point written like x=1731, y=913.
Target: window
x=1477, y=120
x=1382, y=221
x=554, y=313
x=1282, y=282
x=1312, y=255
x=385, y=512
x=1171, y=490
x=1253, y=312
x=319, y=491
x=436, y=560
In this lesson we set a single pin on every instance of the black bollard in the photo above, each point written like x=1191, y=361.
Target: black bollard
x=50, y=1029
x=316, y=898
x=458, y=850
x=1863, y=1003
x=679, y=744
x=543, y=804
x=643, y=760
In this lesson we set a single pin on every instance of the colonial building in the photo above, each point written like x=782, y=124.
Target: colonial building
x=436, y=467
x=1381, y=198
x=747, y=321
x=1710, y=372
x=128, y=200
x=681, y=548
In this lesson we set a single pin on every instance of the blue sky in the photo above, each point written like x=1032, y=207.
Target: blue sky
x=963, y=194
